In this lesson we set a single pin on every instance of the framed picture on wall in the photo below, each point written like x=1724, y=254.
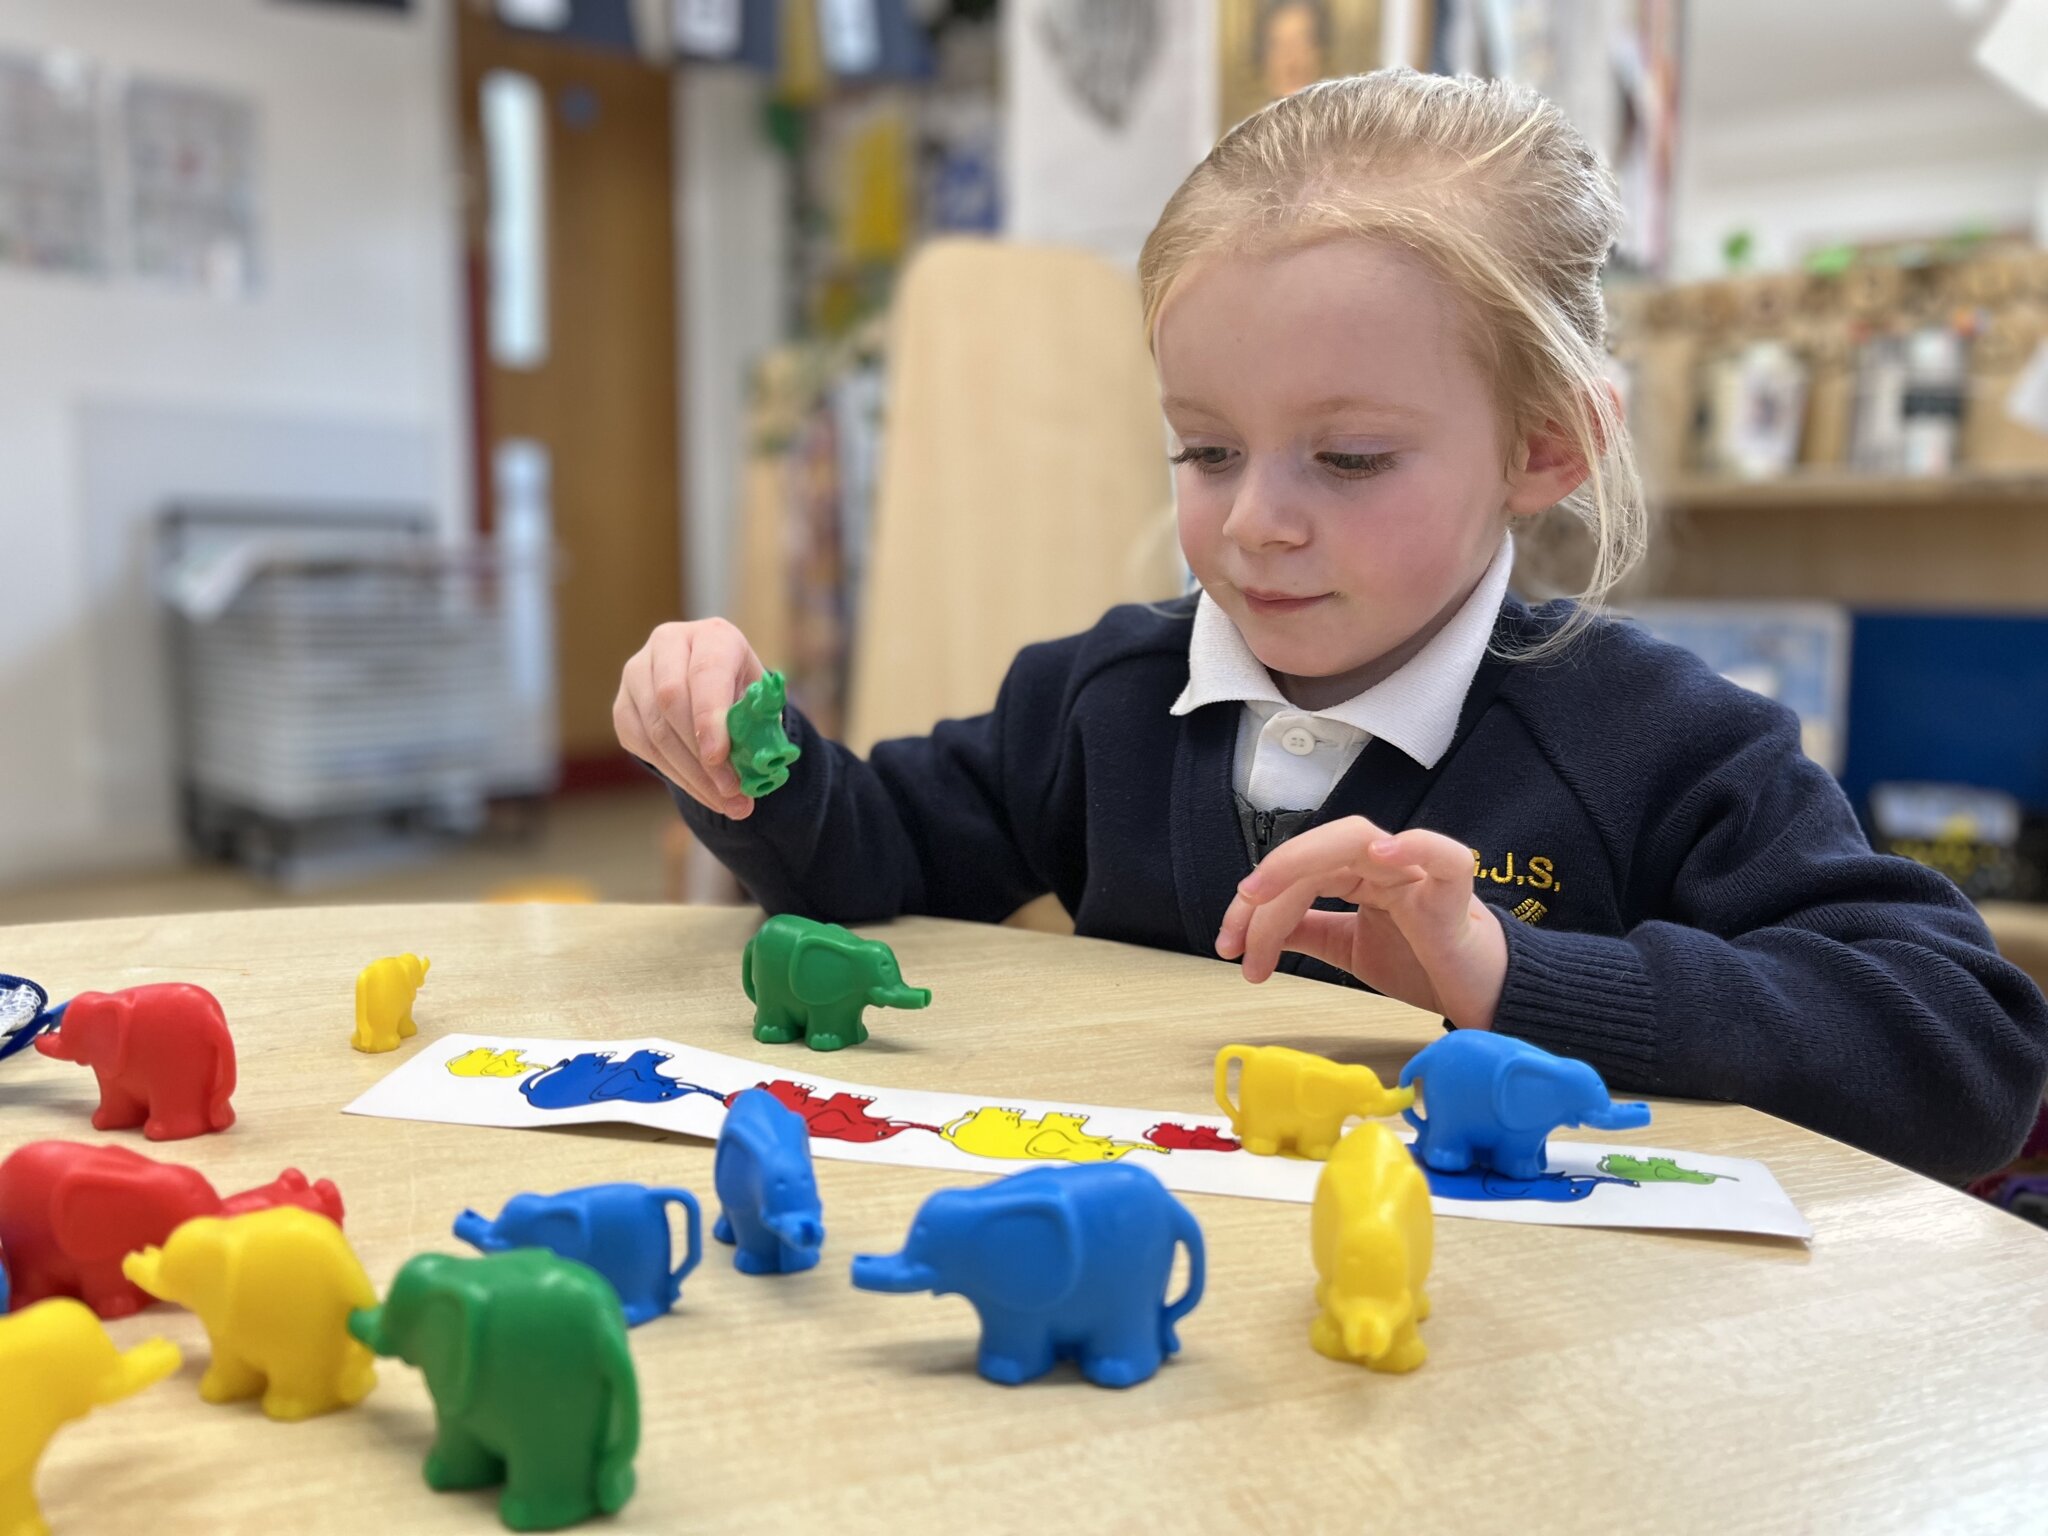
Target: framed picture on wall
x=1272, y=48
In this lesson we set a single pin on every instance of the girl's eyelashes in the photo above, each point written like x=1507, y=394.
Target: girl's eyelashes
x=1356, y=466
x=1208, y=460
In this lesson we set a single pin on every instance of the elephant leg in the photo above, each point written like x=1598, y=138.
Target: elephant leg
x=1520, y=1159
x=1326, y=1337
x=1444, y=1154
x=775, y=1025
x=721, y=1229
x=119, y=1109
x=641, y=1311
x=460, y=1460
x=406, y=1028
x=552, y=1484
x=1260, y=1145
x=750, y=1260
x=834, y=1028
x=1126, y=1354
x=1013, y=1352
x=111, y=1295
x=1318, y=1139
x=791, y=1260
x=19, y=1515
x=230, y=1378
x=1406, y=1352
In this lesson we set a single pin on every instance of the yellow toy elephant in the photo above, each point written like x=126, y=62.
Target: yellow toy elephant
x=1372, y=1233
x=1290, y=1101
x=274, y=1289
x=58, y=1364
x=384, y=993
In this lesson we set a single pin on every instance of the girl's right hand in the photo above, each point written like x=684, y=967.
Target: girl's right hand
x=670, y=712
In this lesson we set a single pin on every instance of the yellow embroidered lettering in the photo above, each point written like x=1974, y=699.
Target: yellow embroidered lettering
x=1539, y=874
x=1503, y=879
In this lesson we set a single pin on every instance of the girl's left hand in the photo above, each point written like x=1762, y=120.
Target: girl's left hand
x=1419, y=934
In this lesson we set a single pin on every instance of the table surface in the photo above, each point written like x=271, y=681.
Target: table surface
x=1891, y=1377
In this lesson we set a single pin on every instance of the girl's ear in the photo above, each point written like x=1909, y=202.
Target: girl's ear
x=1548, y=464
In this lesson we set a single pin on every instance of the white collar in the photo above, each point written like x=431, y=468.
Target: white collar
x=1415, y=707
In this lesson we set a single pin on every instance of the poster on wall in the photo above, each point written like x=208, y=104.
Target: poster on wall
x=1109, y=106
x=53, y=198
x=191, y=184
x=1272, y=48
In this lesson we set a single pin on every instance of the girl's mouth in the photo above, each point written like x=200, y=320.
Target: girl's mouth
x=1278, y=604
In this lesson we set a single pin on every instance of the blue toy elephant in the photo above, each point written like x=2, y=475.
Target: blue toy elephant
x=619, y=1230
x=1493, y=1101
x=767, y=1191
x=594, y=1078
x=1061, y=1263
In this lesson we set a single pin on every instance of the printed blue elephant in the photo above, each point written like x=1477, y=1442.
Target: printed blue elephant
x=1061, y=1264
x=1485, y=1184
x=619, y=1230
x=595, y=1078
x=767, y=1190
x=1492, y=1102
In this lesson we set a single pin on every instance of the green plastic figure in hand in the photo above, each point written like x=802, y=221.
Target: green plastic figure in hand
x=810, y=981
x=761, y=750
x=533, y=1386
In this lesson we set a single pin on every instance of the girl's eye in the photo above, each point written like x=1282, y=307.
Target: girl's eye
x=1208, y=460
x=1356, y=466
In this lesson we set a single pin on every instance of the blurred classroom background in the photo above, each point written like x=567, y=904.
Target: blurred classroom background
x=375, y=374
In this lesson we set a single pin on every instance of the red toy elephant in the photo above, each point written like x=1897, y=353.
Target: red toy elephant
x=69, y=1213
x=162, y=1053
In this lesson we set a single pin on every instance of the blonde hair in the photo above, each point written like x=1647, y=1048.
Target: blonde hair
x=1492, y=188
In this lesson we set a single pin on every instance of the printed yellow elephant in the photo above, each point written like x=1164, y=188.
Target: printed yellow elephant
x=1372, y=1234
x=59, y=1364
x=1291, y=1101
x=483, y=1061
x=274, y=1289
x=1053, y=1137
x=385, y=990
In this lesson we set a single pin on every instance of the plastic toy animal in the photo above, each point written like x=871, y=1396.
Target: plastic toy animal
x=989, y=1131
x=1492, y=1101
x=525, y=1355
x=761, y=750
x=70, y=1212
x=767, y=1191
x=1060, y=1263
x=1291, y=1101
x=810, y=981
x=275, y=1290
x=163, y=1056
x=385, y=990
x=59, y=1365
x=1372, y=1234
x=619, y=1230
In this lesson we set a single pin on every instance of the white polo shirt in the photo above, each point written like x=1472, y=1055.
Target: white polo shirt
x=1290, y=759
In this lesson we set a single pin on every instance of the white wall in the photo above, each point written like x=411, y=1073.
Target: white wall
x=355, y=335
x=1844, y=120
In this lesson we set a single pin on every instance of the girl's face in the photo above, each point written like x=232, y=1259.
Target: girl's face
x=1340, y=468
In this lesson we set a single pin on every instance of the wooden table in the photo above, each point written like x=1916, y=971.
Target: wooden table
x=1892, y=1377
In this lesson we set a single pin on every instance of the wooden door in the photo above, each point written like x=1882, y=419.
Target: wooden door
x=602, y=398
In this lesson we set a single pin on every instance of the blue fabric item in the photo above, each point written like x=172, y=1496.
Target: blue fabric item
x=1691, y=906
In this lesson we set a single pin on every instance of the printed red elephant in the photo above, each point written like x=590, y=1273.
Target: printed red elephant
x=163, y=1055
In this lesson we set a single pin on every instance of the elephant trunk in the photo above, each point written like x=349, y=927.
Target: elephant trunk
x=796, y=1229
x=366, y=1324
x=479, y=1233
x=895, y=1273
x=145, y=1268
x=900, y=996
x=1627, y=1115
x=52, y=1044
x=143, y=1366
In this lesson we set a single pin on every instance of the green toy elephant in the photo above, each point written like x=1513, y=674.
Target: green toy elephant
x=810, y=981
x=525, y=1355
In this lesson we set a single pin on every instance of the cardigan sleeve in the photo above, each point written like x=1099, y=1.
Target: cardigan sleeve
x=1782, y=963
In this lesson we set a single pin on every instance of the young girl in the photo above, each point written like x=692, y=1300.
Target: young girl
x=1377, y=317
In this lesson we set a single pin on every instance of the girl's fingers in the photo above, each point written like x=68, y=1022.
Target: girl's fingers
x=1308, y=855
x=1440, y=857
x=722, y=666
x=677, y=702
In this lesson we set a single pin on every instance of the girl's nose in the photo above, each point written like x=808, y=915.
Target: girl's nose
x=1262, y=515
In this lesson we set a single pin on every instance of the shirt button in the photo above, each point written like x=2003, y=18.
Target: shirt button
x=1299, y=740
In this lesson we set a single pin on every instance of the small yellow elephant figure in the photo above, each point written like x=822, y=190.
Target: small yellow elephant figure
x=384, y=993
x=274, y=1289
x=483, y=1061
x=1053, y=1137
x=1372, y=1233
x=58, y=1365
x=1291, y=1101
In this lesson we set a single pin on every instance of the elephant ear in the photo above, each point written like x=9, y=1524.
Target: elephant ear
x=560, y=1228
x=1526, y=1093
x=821, y=971
x=448, y=1328
x=103, y=1211
x=1035, y=1243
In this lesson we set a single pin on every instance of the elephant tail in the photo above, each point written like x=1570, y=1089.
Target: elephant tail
x=1408, y=1076
x=220, y=1114
x=747, y=970
x=1188, y=1233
